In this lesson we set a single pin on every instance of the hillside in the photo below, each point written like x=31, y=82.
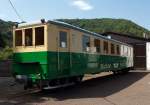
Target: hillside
x=109, y=25
x=5, y=33
x=5, y=39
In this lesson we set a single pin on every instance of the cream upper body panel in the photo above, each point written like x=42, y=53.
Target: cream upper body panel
x=74, y=40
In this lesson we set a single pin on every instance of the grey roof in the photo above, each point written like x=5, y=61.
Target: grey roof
x=84, y=30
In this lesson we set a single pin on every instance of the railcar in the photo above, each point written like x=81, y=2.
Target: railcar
x=53, y=53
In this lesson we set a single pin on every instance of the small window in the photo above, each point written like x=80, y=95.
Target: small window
x=97, y=45
x=18, y=38
x=105, y=47
x=39, y=36
x=86, y=43
x=63, y=39
x=112, y=48
x=118, y=50
x=28, y=37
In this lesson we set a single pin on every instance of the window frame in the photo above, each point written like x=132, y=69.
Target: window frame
x=25, y=37
x=74, y=40
x=105, y=48
x=84, y=45
x=97, y=46
x=112, y=48
x=65, y=40
x=21, y=38
x=118, y=49
x=33, y=36
x=34, y=29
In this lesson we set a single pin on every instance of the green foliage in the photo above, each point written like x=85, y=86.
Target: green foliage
x=6, y=53
x=5, y=33
x=109, y=25
x=5, y=39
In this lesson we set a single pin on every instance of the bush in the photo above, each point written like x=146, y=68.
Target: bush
x=6, y=53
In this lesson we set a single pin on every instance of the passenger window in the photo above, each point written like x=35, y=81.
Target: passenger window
x=112, y=48
x=97, y=45
x=118, y=50
x=39, y=36
x=86, y=43
x=63, y=39
x=28, y=37
x=18, y=38
x=105, y=47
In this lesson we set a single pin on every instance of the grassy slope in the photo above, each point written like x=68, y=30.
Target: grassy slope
x=109, y=25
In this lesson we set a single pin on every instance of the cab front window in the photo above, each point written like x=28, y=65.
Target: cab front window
x=29, y=37
x=18, y=38
x=39, y=36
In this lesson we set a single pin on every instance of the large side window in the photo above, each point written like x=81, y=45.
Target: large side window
x=112, y=48
x=28, y=37
x=97, y=45
x=63, y=39
x=85, y=43
x=105, y=48
x=39, y=36
x=18, y=38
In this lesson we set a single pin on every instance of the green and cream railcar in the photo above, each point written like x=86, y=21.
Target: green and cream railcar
x=53, y=53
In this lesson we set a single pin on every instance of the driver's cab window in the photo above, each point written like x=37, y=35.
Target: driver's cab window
x=28, y=37
x=18, y=37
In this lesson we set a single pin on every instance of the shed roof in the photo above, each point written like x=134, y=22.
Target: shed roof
x=126, y=35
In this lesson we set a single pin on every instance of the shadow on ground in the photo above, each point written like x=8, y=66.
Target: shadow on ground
x=93, y=88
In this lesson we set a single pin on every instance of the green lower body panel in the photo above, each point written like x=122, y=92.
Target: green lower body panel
x=53, y=65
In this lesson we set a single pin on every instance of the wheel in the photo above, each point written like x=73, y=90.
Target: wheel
x=125, y=71
x=115, y=72
x=25, y=87
x=77, y=79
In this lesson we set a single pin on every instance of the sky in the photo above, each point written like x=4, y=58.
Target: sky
x=32, y=10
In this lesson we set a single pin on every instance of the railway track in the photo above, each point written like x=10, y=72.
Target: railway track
x=21, y=94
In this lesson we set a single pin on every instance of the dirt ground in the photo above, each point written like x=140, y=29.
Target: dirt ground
x=102, y=89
